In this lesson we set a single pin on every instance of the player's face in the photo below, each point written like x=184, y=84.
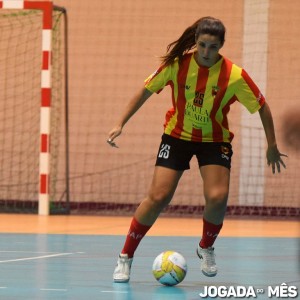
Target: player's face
x=208, y=47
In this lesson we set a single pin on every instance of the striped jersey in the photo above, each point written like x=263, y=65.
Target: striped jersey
x=202, y=96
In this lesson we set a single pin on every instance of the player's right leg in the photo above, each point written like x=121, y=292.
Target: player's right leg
x=163, y=186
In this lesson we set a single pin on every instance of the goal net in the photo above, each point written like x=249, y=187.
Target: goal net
x=110, y=60
x=124, y=52
x=32, y=116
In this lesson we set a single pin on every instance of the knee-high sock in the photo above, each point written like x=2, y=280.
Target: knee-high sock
x=210, y=233
x=135, y=234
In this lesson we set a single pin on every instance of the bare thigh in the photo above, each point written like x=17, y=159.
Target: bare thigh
x=162, y=189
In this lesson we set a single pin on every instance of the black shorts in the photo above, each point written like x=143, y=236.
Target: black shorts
x=176, y=154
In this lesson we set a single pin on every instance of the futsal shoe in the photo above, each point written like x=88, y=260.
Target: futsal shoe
x=122, y=270
x=208, y=263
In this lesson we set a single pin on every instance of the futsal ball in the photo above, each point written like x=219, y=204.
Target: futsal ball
x=169, y=268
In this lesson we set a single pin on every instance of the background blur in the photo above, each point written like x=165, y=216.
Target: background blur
x=114, y=45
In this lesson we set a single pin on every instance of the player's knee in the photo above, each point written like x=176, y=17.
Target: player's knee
x=217, y=198
x=159, y=198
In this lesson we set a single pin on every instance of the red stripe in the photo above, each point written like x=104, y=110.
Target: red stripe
x=225, y=112
x=223, y=80
x=200, y=88
x=197, y=135
x=250, y=82
x=170, y=112
x=44, y=143
x=43, y=183
x=46, y=61
x=1, y=4
x=181, y=101
x=260, y=98
x=46, y=7
x=46, y=97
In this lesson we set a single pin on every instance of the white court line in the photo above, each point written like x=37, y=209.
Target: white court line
x=36, y=257
x=35, y=252
x=21, y=251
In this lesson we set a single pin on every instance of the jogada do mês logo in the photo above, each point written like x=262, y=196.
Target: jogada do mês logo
x=250, y=292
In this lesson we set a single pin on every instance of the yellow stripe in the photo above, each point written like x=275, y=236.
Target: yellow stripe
x=173, y=120
x=213, y=78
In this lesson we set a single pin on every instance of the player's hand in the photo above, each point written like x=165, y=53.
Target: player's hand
x=274, y=158
x=115, y=132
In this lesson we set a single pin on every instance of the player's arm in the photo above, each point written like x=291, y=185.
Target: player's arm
x=273, y=154
x=132, y=107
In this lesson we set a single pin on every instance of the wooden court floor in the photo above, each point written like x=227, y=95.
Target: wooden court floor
x=111, y=225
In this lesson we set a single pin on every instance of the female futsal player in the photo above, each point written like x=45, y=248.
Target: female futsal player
x=204, y=84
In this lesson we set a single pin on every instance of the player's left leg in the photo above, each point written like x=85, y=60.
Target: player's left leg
x=216, y=187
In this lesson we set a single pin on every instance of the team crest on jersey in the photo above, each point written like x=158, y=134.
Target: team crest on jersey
x=199, y=98
x=214, y=90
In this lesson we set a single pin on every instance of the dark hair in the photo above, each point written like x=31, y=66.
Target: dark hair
x=187, y=41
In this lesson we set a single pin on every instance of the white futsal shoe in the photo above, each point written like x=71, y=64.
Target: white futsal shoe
x=122, y=270
x=208, y=263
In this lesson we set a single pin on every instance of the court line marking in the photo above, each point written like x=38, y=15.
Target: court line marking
x=36, y=257
x=21, y=251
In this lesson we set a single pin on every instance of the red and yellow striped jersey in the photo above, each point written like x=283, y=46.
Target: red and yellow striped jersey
x=201, y=97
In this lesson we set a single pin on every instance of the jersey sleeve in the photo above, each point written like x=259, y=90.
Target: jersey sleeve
x=159, y=79
x=249, y=94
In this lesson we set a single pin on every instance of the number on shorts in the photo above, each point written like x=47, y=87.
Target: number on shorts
x=164, y=151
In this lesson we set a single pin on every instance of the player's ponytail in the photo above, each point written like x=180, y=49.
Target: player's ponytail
x=187, y=41
x=177, y=48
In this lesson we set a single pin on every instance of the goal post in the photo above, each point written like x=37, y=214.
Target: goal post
x=46, y=102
